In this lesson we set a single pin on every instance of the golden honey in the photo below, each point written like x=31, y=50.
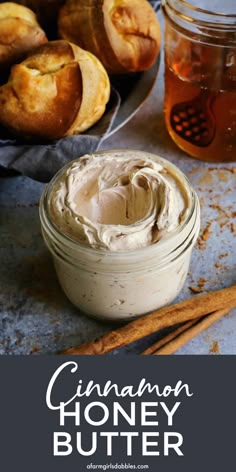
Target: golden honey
x=200, y=86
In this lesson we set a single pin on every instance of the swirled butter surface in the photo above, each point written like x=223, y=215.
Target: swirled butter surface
x=118, y=201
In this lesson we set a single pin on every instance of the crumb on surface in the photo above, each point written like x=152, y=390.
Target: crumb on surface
x=224, y=254
x=195, y=289
x=200, y=285
x=201, y=281
x=218, y=265
x=201, y=244
x=206, y=232
x=233, y=228
x=35, y=349
x=214, y=347
x=215, y=207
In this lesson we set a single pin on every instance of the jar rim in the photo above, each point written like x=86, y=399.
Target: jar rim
x=65, y=238
x=208, y=18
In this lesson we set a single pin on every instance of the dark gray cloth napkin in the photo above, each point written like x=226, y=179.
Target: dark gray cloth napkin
x=155, y=4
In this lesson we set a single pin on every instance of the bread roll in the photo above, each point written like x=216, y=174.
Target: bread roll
x=123, y=34
x=19, y=33
x=59, y=90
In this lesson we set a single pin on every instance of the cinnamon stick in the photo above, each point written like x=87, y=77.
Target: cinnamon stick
x=170, y=344
x=169, y=337
x=195, y=307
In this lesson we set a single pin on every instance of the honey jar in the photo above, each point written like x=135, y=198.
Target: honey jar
x=200, y=77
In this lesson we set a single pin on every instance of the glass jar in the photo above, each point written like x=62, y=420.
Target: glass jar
x=200, y=77
x=113, y=285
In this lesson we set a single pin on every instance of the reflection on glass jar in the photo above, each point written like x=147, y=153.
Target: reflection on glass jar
x=200, y=78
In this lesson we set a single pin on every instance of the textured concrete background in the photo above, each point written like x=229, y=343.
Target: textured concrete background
x=36, y=317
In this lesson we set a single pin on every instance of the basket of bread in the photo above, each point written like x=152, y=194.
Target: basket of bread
x=60, y=63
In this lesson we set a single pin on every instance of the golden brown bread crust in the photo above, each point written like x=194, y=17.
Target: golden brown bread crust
x=57, y=91
x=124, y=34
x=19, y=33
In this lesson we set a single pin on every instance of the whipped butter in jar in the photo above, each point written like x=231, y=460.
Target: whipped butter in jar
x=121, y=226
